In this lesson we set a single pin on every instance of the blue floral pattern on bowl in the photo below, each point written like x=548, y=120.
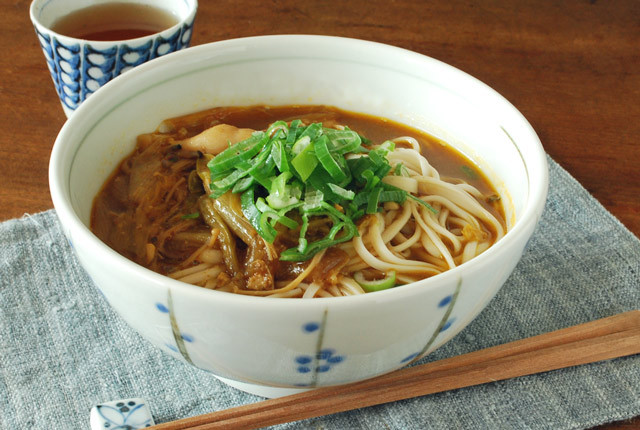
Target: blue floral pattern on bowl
x=179, y=338
x=322, y=360
x=446, y=323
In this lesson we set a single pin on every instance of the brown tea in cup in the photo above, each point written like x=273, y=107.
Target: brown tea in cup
x=114, y=21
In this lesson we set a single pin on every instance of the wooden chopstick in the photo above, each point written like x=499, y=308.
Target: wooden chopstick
x=599, y=340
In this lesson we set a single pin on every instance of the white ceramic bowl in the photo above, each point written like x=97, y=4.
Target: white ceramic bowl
x=272, y=347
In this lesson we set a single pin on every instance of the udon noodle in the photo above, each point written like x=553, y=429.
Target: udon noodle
x=157, y=209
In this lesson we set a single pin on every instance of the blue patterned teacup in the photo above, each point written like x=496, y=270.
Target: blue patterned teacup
x=80, y=67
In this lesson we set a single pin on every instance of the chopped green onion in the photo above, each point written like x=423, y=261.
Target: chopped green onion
x=254, y=216
x=386, y=147
x=275, y=217
x=358, y=166
x=393, y=196
x=267, y=231
x=238, y=152
x=313, y=199
x=345, y=194
x=279, y=154
x=423, y=203
x=285, y=221
x=230, y=180
x=305, y=162
x=262, y=206
x=343, y=141
x=372, y=204
x=388, y=281
x=293, y=254
x=377, y=158
x=327, y=161
x=383, y=170
x=313, y=131
x=400, y=170
x=296, y=172
x=276, y=128
x=371, y=178
x=242, y=185
x=300, y=145
x=281, y=194
x=295, y=129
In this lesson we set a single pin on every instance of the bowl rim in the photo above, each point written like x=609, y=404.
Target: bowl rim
x=105, y=99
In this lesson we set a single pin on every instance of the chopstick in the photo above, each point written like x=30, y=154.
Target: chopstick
x=603, y=339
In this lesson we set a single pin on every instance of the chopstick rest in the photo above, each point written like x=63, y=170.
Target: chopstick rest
x=124, y=413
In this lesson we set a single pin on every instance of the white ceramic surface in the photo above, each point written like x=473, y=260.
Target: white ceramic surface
x=276, y=346
x=80, y=67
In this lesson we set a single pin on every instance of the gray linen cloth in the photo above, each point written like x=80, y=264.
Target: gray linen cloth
x=64, y=350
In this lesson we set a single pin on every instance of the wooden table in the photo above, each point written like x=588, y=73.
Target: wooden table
x=571, y=67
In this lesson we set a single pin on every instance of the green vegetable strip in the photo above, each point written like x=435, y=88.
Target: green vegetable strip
x=285, y=221
x=277, y=129
x=267, y=231
x=250, y=211
x=341, y=192
x=372, y=204
x=313, y=131
x=295, y=129
x=423, y=203
x=279, y=155
x=320, y=180
x=313, y=199
x=327, y=161
x=242, y=185
x=382, y=170
x=400, y=170
x=293, y=254
x=238, y=152
x=388, y=281
x=344, y=141
x=305, y=162
x=229, y=181
x=377, y=158
x=300, y=145
x=358, y=166
x=276, y=217
x=371, y=178
x=393, y=196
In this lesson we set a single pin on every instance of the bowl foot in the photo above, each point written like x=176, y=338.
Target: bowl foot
x=262, y=390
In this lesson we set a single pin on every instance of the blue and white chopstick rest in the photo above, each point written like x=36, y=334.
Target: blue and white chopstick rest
x=124, y=414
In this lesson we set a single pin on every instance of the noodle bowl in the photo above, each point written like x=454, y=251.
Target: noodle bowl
x=272, y=347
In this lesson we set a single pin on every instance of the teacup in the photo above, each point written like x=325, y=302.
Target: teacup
x=79, y=66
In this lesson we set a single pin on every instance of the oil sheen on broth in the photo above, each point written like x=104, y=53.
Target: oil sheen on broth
x=152, y=211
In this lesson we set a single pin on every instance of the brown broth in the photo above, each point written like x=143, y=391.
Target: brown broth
x=114, y=21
